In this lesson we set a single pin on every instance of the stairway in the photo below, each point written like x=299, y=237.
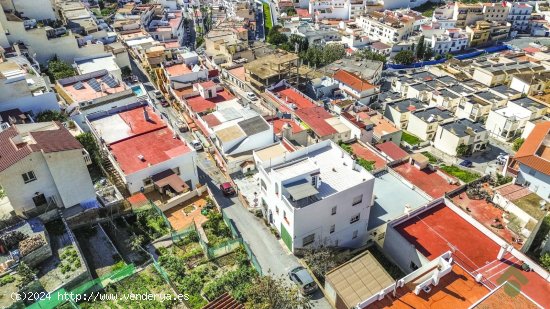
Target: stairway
x=113, y=175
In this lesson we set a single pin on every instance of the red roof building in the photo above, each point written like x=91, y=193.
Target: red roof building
x=392, y=150
x=199, y=104
x=535, y=150
x=353, y=81
x=315, y=118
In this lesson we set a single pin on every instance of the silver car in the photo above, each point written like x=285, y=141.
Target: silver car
x=303, y=279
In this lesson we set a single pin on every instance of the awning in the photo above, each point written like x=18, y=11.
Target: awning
x=169, y=178
x=301, y=189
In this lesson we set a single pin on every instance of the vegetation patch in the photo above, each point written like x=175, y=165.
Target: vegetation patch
x=268, y=23
x=410, y=139
x=433, y=159
x=216, y=230
x=459, y=173
x=70, y=261
x=427, y=9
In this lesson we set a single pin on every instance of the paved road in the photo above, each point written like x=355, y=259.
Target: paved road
x=271, y=255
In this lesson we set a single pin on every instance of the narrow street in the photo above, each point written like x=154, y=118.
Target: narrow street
x=273, y=258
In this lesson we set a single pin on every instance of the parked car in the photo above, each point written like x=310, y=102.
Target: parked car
x=196, y=144
x=227, y=189
x=466, y=163
x=251, y=96
x=164, y=103
x=301, y=277
x=158, y=94
x=182, y=127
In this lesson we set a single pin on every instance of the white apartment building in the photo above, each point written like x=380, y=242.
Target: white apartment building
x=336, y=9
x=519, y=15
x=387, y=27
x=495, y=11
x=450, y=41
x=144, y=150
x=424, y=123
x=43, y=164
x=317, y=195
x=461, y=132
x=23, y=88
x=38, y=9
x=508, y=122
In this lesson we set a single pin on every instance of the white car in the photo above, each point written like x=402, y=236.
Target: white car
x=251, y=96
x=196, y=144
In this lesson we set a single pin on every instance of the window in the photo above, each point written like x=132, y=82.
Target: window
x=413, y=266
x=333, y=210
x=29, y=176
x=276, y=209
x=308, y=240
x=357, y=200
x=332, y=227
x=176, y=170
x=354, y=218
x=314, y=181
x=147, y=181
x=39, y=200
x=355, y=234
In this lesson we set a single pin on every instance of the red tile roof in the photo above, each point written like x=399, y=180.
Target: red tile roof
x=353, y=81
x=45, y=141
x=291, y=96
x=392, y=150
x=211, y=120
x=315, y=118
x=199, y=104
x=527, y=153
x=224, y=301
x=531, y=50
x=278, y=126
x=380, y=46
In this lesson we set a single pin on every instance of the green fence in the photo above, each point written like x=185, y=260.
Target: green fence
x=61, y=296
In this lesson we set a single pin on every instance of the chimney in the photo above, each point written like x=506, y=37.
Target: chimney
x=146, y=115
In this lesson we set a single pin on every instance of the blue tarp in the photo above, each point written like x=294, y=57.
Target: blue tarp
x=91, y=204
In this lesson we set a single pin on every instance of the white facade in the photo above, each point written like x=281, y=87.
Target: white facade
x=36, y=9
x=336, y=9
x=65, y=48
x=103, y=61
x=22, y=87
x=506, y=122
x=62, y=176
x=519, y=15
x=334, y=209
x=449, y=136
x=452, y=40
x=537, y=182
x=387, y=27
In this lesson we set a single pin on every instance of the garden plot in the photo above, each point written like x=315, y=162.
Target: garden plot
x=65, y=263
x=121, y=236
x=8, y=285
x=146, y=282
x=202, y=279
x=99, y=252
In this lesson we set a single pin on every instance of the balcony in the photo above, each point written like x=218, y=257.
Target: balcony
x=301, y=202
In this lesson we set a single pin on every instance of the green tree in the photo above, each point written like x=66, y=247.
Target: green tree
x=404, y=57
x=428, y=53
x=275, y=37
x=420, y=48
x=545, y=260
x=370, y=55
x=88, y=142
x=58, y=69
x=26, y=274
x=2, y=193
x=517, y=143
x=126, y=71
x=268, y=292
x=50, y=115
x=449, y=56
x=462, y=150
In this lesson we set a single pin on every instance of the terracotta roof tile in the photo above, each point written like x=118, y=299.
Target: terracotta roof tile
x=392, y=150
x=353, y=81
x=527, y=153
x=315, y=117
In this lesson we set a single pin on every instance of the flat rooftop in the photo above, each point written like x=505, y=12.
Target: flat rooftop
x=457, y=289
x=129, y=135
x=387, y=204
x=106, y=62
x=199, y=104
x=439, y=229
x=368, y=154
x=91, y=86
x=335, y=176
x=429, y=182
x=291, y=96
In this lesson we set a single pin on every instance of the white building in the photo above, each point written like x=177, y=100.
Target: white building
x=336, y=9
x=23, y=88
x=145, y=151
x=532, y=161
x=424, y=123
x=519, y=15
x=388, y=27
x=39, y=9
x=315, y=196
x=43, y=164
x=508, y=122
x=450, y=41
x=461, y=132
x=91, y=64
